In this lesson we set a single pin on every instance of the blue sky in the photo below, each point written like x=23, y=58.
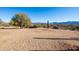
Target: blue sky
x=42, y=14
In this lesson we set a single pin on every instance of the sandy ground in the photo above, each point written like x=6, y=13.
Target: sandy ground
x=37, y=39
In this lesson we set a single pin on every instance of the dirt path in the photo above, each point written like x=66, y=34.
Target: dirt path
x=37, y=39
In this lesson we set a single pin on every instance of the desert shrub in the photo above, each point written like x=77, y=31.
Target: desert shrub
x=73, y=27
x=55, y=27
x=77, y=27
x=34, y=26
x=39, y=26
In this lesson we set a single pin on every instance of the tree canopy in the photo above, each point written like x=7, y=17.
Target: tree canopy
x=21, y=20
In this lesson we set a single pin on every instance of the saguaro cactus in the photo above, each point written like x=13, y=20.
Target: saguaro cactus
x=47, y=23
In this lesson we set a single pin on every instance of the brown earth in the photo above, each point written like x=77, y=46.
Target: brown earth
x=38, y=39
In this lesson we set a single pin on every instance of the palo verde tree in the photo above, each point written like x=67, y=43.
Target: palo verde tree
x=21, y=20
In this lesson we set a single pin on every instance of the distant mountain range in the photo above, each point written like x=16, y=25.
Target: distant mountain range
x=68, y=22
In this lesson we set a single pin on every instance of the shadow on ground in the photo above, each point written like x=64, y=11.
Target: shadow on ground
x=56, y=38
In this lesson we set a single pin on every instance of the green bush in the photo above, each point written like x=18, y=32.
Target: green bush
x=55, y=27
x=39, y=25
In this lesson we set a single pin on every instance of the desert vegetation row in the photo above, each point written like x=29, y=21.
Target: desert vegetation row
x=21, y=20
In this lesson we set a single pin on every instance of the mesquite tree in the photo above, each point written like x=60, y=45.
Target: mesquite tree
x=21, y=20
